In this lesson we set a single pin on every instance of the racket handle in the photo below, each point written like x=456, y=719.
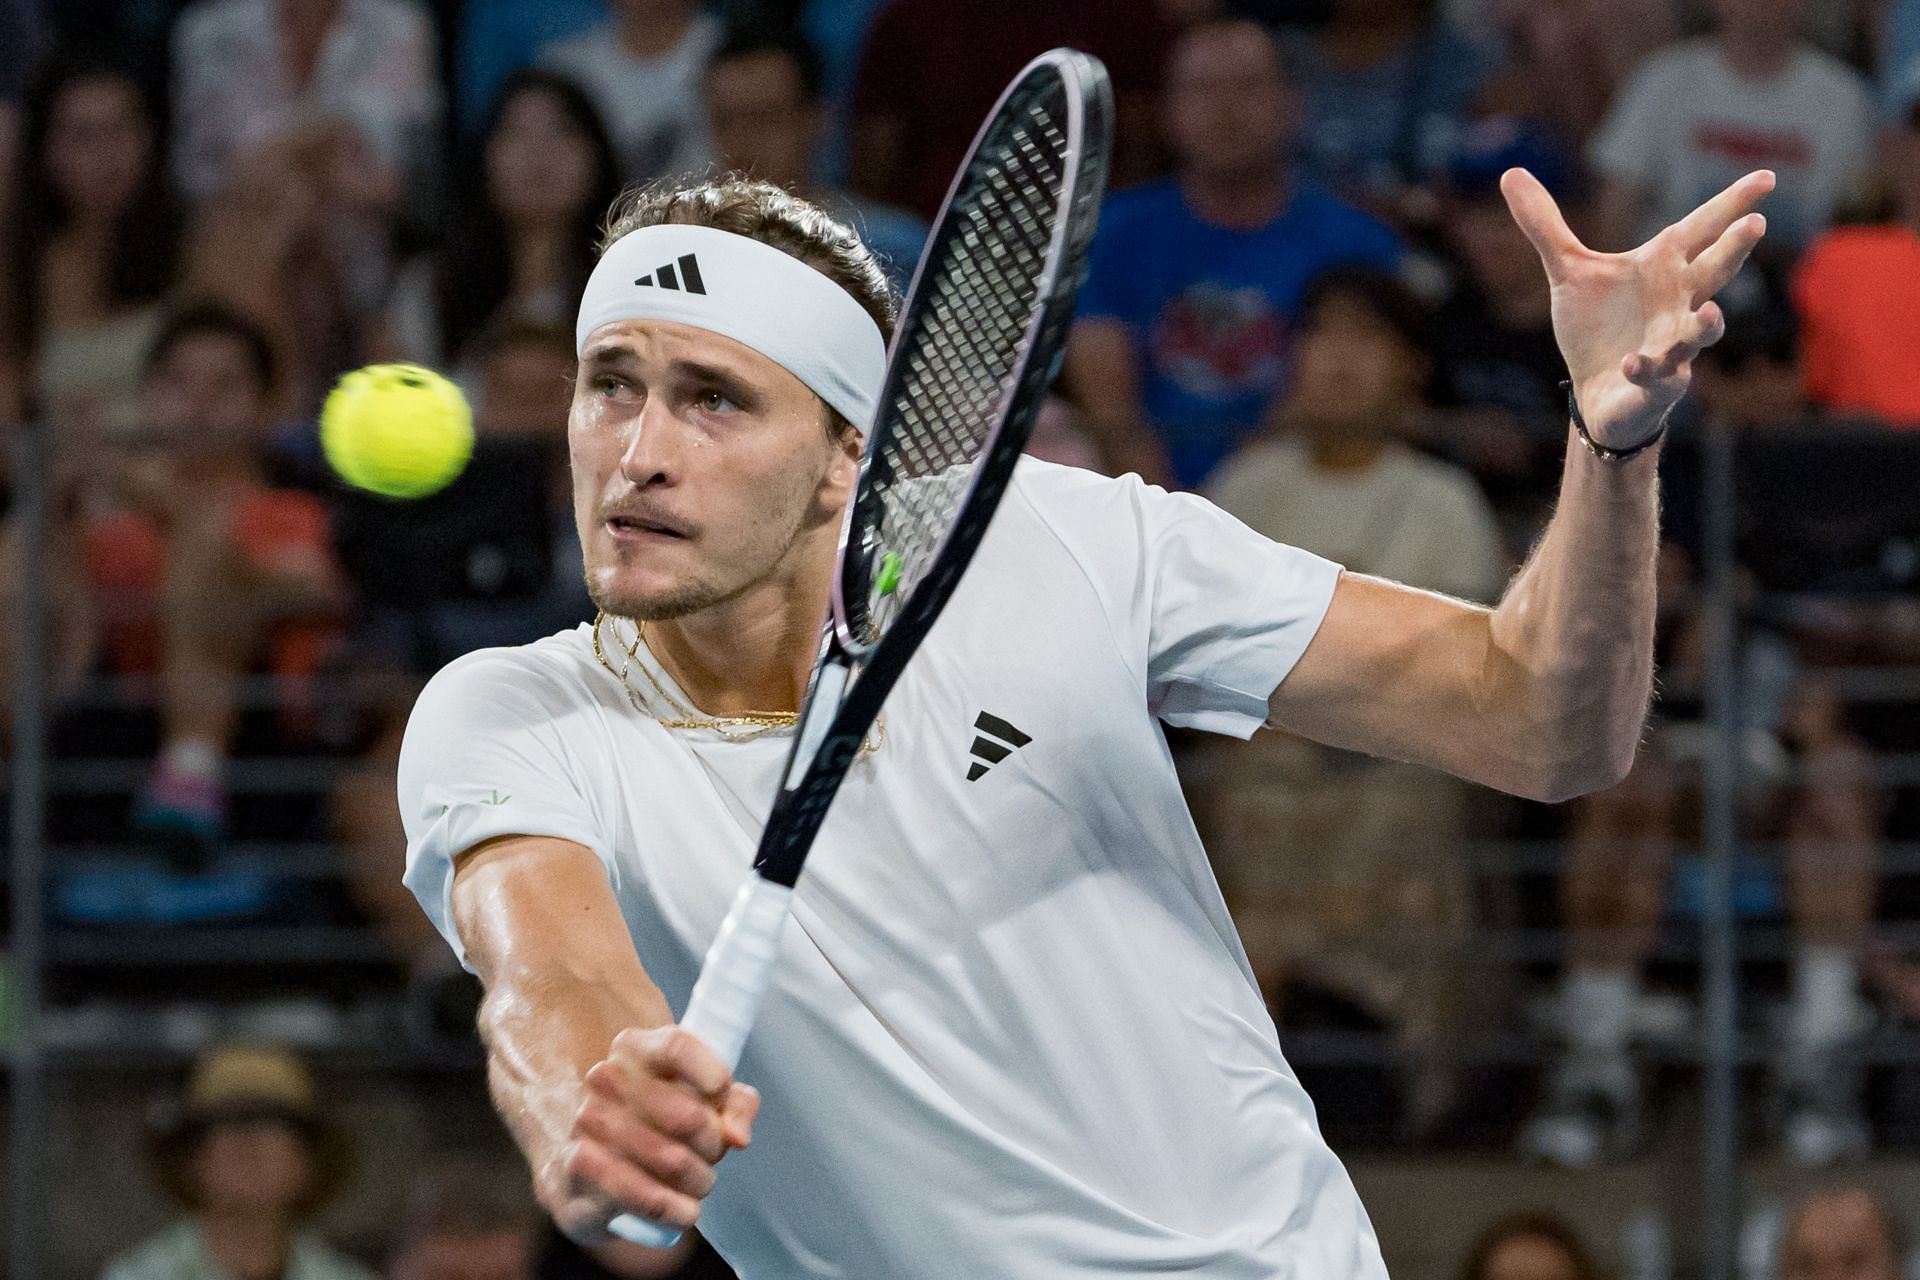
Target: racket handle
x=734, y=977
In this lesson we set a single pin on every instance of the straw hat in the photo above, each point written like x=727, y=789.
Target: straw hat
x=239, y=1083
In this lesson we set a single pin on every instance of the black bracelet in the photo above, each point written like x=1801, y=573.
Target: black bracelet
x=1594, y=447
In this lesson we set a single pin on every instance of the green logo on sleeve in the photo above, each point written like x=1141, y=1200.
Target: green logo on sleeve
x=494, y=797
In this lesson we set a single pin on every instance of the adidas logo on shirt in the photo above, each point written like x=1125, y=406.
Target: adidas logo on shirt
x=687, y=277
x=995, y=742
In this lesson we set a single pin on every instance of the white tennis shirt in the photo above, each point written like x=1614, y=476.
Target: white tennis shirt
x=1012, y=1032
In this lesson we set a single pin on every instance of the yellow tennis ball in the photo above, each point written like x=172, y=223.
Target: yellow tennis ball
x=396, y=429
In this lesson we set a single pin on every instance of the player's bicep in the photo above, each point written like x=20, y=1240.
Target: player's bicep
x=538, y=911
x=1401, y=673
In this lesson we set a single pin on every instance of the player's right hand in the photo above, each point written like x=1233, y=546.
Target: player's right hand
x=658, y=1114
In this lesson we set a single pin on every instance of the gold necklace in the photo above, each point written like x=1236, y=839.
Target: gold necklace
x=744, y=727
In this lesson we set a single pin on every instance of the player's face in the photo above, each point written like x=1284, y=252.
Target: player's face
x=1230, y=111
x=701, y=470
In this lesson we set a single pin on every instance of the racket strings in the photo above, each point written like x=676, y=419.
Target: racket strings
x=969, y=349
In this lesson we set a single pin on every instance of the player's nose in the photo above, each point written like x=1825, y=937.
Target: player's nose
x=654, y=448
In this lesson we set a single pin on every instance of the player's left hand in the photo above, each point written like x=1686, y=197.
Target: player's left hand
x=1630, y=324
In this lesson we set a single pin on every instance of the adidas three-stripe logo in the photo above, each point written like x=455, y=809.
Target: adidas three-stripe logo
x=687, y=277
x=991, y=744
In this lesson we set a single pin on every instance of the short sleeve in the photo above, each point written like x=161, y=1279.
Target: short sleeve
x=1213, y=614
x=487, y=754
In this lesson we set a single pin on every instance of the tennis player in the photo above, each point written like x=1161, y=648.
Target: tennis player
x=1012, y=1032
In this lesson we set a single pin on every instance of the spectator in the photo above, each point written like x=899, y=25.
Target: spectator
x=1334, y=479
x=1857, y=290
x=498, y=37
x=351, y=84
x=1805, y=777
x=1565, y=61
x=1184, y=330
x=1698, y=115
x=92, y=246
x=520, y=240
x=201, y=521
x=1845, y=1233
x=1345, y=874
x=250, y=1154
x=20, y=36
x=932, y=69
x=763, y=98
x=643, y=70
x=1498, y=369
x=1529, y=1246
x=1751, y=380
x=466, y=1217
x=1387, y=87
x=1495, y=345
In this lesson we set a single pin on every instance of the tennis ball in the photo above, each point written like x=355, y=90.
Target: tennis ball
x=397, y=430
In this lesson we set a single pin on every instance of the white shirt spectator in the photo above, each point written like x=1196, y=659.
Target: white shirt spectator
x=1687, y=124
x=655, y=108
x=377, y=71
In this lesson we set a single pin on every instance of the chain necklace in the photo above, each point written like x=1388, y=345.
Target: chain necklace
x=744, y=727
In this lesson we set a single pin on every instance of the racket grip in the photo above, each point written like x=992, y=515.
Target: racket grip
x=725, y=1000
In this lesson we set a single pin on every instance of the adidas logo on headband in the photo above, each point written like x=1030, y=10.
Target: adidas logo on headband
x=666, y=278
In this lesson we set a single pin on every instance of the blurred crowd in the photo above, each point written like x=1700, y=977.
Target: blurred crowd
x=1306, y=301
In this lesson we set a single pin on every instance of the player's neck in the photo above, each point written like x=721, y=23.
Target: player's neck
x=755, y=652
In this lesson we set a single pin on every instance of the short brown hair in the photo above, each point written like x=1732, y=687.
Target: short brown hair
x=775, y=217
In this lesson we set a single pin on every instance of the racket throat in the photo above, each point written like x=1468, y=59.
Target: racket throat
x=823, y=703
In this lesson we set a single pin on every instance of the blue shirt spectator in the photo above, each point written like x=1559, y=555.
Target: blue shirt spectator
x=498, y=37
x=1185, y=324
x=1210, y=309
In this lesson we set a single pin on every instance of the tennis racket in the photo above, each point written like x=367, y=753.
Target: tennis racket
x=978, y=344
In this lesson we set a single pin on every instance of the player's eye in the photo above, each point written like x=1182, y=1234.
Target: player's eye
x=610, y=385
x=715, y=401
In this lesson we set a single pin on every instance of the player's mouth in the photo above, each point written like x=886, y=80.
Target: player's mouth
x=636, y=528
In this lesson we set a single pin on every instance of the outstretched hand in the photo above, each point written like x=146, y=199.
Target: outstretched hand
x=1630, y=324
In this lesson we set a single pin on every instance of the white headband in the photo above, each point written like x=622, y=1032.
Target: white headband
x=750, y=292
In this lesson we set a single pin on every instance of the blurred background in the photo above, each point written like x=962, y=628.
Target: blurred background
x=1672, y=1030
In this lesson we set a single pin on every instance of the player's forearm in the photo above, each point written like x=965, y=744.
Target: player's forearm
x=542, y=1035
x=1572, y=668
x=543, y=931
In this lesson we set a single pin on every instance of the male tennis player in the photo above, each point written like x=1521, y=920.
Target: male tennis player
x=1012, y=1033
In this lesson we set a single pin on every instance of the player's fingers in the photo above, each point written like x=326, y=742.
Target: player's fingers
x=1539, y=217
x=670, y=1109
x=593, y=1164
x=1700, y=229
x=737, y=1113
x=1722, y=260
x=674, y=1053
x=668, y=1161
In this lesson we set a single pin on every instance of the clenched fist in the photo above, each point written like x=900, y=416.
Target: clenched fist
x=658, y=1114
